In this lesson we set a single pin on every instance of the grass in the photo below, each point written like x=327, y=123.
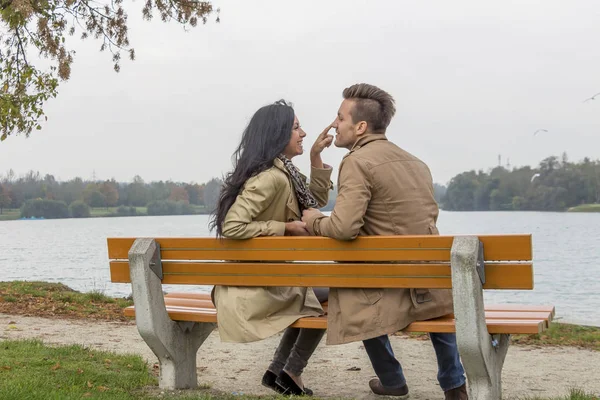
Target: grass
x=559, y=334
x=141, y=211
x=585, y=208
x=574, y=394
x=15, y=213
x=112, y=211
x=57, y=300
x=585, y=337
x=31, y=370
x=10, y=214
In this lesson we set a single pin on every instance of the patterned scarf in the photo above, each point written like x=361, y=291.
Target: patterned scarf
x=304, y=196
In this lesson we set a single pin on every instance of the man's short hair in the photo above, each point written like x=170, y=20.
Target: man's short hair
x=373, y=105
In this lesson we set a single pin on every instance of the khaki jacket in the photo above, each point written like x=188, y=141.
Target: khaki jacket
x=266, y=203
x=383, y=190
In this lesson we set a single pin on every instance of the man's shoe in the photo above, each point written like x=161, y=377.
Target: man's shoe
x=378, y=388
x=459, y=393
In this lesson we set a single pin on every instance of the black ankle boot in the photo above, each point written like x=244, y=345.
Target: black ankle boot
x=269, y=380
x=290, y=387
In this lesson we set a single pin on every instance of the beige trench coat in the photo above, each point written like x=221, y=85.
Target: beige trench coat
x=383, y=190
x=267, y=202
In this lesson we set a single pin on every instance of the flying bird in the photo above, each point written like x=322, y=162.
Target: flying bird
x=592, y=98
x=539, y=130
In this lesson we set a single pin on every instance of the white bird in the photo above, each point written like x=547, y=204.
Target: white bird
x=539, y=130
x=533, y=177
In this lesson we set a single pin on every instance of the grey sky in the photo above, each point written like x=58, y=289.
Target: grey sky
x=471, y=80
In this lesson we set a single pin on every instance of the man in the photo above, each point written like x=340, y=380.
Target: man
x=383, y=190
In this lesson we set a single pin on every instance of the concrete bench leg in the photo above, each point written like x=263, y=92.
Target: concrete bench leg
x=174, y=343
x=482, y=354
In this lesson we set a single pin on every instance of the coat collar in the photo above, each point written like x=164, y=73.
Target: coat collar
x=277, y=163
x=368, y=138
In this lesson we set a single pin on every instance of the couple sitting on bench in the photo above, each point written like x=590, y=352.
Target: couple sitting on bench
x=382, y=190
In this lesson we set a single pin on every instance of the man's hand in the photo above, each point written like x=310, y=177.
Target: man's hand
x=295, y=228
x=323, y=140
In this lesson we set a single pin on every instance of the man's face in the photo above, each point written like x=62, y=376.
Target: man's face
x=345, y=129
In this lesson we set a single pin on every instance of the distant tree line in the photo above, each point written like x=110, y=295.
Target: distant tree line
x=555, y=185
x=43, y=196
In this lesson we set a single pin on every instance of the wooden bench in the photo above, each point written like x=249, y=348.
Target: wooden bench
x=176, y=325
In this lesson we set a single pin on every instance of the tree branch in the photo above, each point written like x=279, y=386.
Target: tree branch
x=5, y=4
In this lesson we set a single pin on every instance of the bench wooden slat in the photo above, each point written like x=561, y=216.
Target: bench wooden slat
x=426, y=275
x=495, y=326
x=443, y=324
x=504, y=318
x=488, y=307
x=516, y=307
x=206, y=303
x=202, y=305
x=368, y=248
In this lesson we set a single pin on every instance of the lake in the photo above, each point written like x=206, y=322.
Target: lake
x=73, y=251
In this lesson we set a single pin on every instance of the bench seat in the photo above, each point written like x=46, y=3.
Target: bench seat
x=512, y=319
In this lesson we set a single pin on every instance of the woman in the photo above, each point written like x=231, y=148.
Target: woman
x=265, y=196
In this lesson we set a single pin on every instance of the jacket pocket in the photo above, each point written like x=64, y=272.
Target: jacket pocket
x=420, y=296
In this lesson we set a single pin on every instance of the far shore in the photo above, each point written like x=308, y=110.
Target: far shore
x=13, y=214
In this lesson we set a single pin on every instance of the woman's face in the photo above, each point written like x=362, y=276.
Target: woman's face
x=294, y=147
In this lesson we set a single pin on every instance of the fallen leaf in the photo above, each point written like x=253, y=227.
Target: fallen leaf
x=353, y=369
x=79, y=371
x=107, y=361
x=6, y=367
x=55, y=367
x=90, y=384
x=129, y=366
x=102, y=388
x=87, y=394
x=12, y=323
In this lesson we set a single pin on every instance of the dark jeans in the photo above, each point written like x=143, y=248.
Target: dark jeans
x=389, y=371
x=294, y=350
x=298, y=344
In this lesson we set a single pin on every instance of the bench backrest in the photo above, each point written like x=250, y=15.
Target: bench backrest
x=367, y=262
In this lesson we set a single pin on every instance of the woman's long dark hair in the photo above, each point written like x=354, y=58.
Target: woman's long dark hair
x=265, y=137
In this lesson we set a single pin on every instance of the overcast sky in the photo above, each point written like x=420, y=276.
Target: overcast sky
x=471, y=80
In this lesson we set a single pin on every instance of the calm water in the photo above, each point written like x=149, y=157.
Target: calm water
x=73, y=251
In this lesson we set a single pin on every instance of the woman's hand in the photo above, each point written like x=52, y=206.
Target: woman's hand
x=295, y=228
x=323, y=140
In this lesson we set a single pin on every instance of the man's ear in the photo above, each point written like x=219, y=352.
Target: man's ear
x=361, y=128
